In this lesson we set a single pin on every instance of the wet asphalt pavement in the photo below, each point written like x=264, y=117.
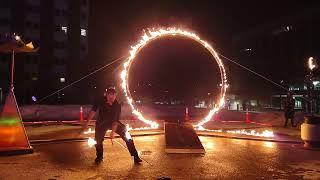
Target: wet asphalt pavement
x=224, y=159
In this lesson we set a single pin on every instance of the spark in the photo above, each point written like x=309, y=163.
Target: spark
x=149, y=36
x=201, y=128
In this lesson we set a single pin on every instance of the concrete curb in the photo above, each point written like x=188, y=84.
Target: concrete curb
x=251, y=139
x=65, y=140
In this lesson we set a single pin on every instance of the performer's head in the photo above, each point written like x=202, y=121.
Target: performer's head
x=111, y=94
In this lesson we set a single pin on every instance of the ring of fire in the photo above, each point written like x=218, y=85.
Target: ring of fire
x=148, y=37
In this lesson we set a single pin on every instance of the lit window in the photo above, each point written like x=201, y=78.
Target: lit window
x=34, y=78
x=315, y=83
x=62, y=79
x=65, y=29
x=83, y=32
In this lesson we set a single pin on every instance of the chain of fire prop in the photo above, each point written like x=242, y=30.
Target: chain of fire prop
x=153, y=34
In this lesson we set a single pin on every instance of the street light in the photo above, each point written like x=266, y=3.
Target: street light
x=310, y=128
x=312, y=64
x=17, y=38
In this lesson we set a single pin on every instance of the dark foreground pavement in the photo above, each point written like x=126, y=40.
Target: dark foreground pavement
x=224, y=159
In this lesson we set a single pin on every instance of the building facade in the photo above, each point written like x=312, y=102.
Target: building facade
x=283, y=46
x=60, y=29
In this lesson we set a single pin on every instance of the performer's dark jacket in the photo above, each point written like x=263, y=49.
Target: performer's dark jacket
x=107, y=113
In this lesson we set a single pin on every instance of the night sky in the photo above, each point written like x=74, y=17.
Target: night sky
x=177, y=65
x=116, y=25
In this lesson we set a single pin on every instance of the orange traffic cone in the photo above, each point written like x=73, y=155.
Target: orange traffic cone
x=186, y=115
x=81, y=114
x=247, y=116
x=13, y=137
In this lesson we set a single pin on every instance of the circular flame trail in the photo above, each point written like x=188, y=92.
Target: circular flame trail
x=153, y=34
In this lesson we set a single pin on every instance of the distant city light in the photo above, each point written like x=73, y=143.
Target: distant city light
x=17, y=37
x=65, y=29
x=83, y=32
x=288, y=28
x=34, y=99
x=62, y=79
x=315, y=83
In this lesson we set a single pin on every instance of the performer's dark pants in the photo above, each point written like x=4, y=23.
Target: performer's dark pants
x=289, y=115
x=121, y=130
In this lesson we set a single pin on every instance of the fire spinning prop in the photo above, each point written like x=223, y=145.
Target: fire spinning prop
x=154, y=34
x=151, y=35
x=91, y=142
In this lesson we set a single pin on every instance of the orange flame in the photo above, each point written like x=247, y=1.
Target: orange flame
x=91, y=142
x=151, y=35
x=265, y=133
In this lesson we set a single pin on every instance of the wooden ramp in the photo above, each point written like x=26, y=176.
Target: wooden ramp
x=182, y=138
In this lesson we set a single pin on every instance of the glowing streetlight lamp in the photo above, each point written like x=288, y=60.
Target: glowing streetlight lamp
x=17, y=38
x=312, y=64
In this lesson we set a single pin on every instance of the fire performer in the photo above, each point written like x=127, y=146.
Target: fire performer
x=289, y=109
x=108, y=118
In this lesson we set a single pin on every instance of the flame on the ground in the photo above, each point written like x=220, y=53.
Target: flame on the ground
x=265, y=133
x=89, y=131
x=201, y=128
x=91, y=142
x=269, y=144
x=140, y=128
